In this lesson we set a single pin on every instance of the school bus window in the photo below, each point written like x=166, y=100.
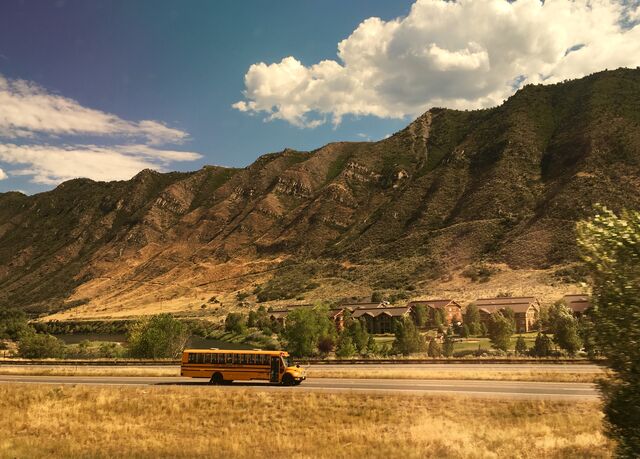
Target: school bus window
x=229, y=358
x=192, y=358
x=252, y=359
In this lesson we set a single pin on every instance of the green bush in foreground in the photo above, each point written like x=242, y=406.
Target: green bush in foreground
x=610, y=246
x=157, y=337
x=39, y=346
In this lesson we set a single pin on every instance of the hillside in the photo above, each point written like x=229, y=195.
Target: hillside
x=454, y=192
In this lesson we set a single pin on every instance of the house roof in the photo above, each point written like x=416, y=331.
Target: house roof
x=505, y=300
x=516, y=307
x=295, y=306
x=577, y=303
x=435, y=304
x=354, y=306
x=393, y=311
x=284, y=312
x=279, y=314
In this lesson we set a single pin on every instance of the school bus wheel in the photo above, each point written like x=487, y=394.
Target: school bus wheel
x=217, y=379
x=287, y=380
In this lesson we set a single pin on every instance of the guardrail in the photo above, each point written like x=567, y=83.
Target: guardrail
x=453, y=361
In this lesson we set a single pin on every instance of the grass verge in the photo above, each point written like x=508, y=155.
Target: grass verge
x=320, y=372
x=45, y=421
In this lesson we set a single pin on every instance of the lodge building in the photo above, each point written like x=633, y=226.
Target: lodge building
x=452, y=309
x=526, y=310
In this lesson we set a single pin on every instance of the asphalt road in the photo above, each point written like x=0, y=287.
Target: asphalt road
x=504, y=389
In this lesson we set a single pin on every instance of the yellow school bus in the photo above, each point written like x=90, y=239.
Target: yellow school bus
x=225, y=366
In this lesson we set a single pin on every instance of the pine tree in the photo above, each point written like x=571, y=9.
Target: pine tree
x=447, y=348
x=345, y=346
x=542, y=346
x=521, y=346
x=434, y=350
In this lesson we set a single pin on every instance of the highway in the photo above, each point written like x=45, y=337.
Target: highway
x=503, y=389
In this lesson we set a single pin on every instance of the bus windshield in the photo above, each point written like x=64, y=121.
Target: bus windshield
x=286, y=361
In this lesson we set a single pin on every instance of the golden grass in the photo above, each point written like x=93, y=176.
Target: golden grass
x=484, y=375
x=320, y=372
x=89, y=371
x=45, y=421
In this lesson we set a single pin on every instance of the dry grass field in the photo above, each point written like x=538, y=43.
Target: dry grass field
x=50, y=421
x=480, y=374
x=507, y=374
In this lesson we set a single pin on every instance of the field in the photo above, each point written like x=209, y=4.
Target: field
x=319, y=371
x=45, y=421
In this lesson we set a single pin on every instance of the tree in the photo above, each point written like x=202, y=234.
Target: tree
x=585, y=330
x=263, y=322
x=235, y=322
x=566, y=334
x=33, y=345
x=421, y=315
x=13, y=322
x=434, y=349
x=471, y=319
x=345, y=346
x=542, y=346
x=500, y=330
x=610, y=246
x=554, y=314
x=157, y=337
x=359, y=335
x=465, y=331
x=252, y=319
x=438, y=318
x=447, y=347
x=521, y=346
x=305, y=327
x=509, y=315
x=325, y=345
x=408, y=339
x=372, y=346
x=376, y=297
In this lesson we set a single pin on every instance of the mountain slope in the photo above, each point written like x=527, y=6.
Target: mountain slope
x=502, y=185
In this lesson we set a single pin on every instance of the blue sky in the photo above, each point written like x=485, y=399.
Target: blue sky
x=181, y=65
x=105, y=88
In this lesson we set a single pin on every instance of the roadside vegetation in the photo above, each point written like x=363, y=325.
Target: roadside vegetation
x=610, y=245
x=136, y=422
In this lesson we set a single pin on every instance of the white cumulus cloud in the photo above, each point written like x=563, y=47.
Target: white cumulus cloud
x=28, y=109
x=464, y=54
x=50, y=164
x=32, y=120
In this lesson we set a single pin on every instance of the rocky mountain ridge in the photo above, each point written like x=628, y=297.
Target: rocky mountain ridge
x=501, y=186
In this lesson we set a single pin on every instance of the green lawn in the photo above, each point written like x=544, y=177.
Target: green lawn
x=470, y=344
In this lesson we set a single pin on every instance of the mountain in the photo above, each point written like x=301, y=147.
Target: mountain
x=454, y=192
